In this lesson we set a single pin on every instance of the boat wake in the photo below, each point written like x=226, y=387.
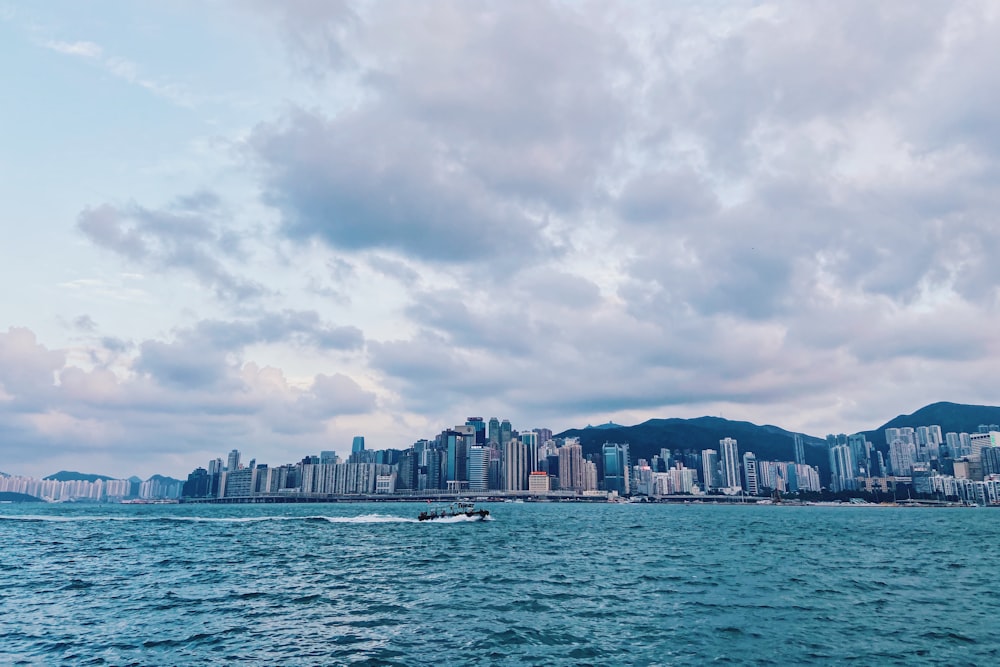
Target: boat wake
x=367, y=518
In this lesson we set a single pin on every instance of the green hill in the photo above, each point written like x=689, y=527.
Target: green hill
x=951, y=417
x=646, y=439
x=70, y=476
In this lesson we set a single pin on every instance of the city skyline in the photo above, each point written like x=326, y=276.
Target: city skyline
x=316, y=220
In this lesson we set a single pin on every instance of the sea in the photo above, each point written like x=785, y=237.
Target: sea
x=538, y=584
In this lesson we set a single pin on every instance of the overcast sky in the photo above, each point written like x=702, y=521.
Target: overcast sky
x=277, y=225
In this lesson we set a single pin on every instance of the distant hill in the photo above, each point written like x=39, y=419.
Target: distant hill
x=951, y=417
x=646, y=439
x=164, y=479
x=12, y=497
x=767, y=442
x=69, y=476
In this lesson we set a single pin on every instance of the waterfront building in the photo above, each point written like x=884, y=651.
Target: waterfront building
x=843, y=470
x=589, y=476
x=407, y=470
x=682, y=479
x=616, y=465
x=538, y=482
x=750, y=473
x=385, y=483
x=730, y=465
x=515, y=463
x=239, y=483
x=530, y=440
x=479, y=468
x=234, y=460
x=710, y=476
x=571, y=465
x=861, y=454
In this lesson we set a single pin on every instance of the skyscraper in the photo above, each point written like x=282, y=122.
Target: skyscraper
x=358, y=444
x=800, y=449
x=615, y=468
x=494, y=434
x=515, y=466
x=480, y=426
x=530, y=440
x=843, y=470
x=709, y=469
x=730, y=464
x=571, y=465
x=750, y=473
x=506, y=432
x=233, y=463
x=479, y=468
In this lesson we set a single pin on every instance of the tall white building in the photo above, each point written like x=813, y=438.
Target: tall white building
x=479, y=468
x=730, y=463
x=901, y=456
x=515, y=466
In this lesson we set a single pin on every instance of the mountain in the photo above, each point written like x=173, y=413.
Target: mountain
x=646, y=439
x=12, y=497
x=951, y=417
x=164, y=479
x=69, y=476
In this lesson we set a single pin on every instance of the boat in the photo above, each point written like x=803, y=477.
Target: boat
x=467, y=510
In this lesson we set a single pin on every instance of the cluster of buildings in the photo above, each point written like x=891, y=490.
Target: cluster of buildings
x=111, y=490
x=954, y=466
x=491, y=456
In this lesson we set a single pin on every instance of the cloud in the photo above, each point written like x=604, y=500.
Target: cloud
x=468, y=135
x=172, y=398
x=82, y=49
x=192, y=234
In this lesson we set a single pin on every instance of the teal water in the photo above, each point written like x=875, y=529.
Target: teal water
x=542, y=584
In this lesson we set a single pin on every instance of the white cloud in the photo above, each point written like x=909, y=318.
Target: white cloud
x=82, y=49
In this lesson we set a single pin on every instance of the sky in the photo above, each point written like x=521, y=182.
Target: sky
x=275, y=226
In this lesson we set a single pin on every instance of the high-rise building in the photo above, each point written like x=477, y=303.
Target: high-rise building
x=328, y=457
x=860, y=454
x=615, y=468
x=709, y=469
x=515, y=463
x=901, y=456
x=479, y=468
x=571, y=465
x=800, y=448
x=843, y=470
x=730, y=465
x=506, y=432
x=358, y=444
x=544, y=434
x=233, y=463
x=530, y=440
x=480, y=426
x=494, y=434
x=750, y=473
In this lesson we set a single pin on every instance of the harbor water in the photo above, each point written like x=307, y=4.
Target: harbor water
x=539, y=584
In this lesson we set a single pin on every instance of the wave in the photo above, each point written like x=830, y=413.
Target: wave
x=367, y=518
